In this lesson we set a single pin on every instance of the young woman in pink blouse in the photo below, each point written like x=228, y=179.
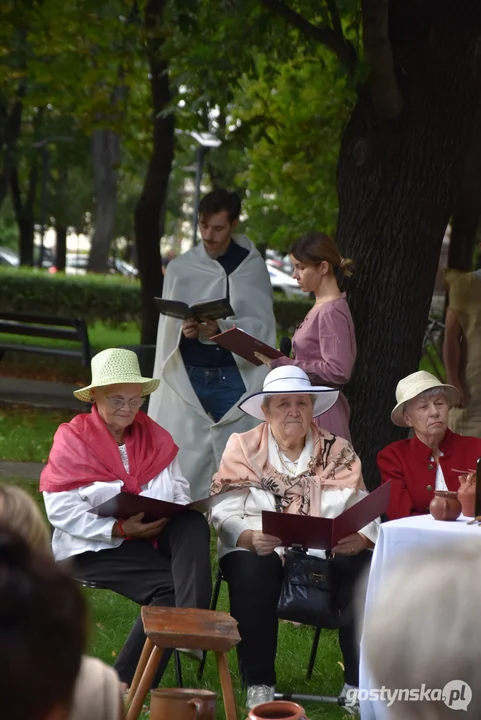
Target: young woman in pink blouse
x=324, y=344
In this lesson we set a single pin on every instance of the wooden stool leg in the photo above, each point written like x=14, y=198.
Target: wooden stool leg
x=226, y=684
x=145, y=684
x=139, y=671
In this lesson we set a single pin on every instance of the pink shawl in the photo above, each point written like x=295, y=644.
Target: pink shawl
x=333, y=464
x=84, y=451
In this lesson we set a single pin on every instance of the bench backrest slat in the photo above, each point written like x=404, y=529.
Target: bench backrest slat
x=48, y=326
x=37, y=331
x=39, y=319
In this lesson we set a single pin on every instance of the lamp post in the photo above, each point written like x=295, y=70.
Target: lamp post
x=206, y=141
x=42, y=145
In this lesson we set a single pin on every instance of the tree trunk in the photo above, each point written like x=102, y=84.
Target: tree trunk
x=150, y=209
x=61, y=249
x=105, y=159
x=25, y=212
x=397, y=185
x=10, y=128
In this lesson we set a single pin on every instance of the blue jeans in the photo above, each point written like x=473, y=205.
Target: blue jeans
x=218, y=389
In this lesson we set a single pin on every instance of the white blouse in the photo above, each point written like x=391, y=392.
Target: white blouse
x=77, y=530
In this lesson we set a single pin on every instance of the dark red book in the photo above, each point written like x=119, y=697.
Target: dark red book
x=124, y=505
x=324, y=533
x=245, y=345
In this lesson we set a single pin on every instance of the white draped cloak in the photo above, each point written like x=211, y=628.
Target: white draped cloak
x=194, y=277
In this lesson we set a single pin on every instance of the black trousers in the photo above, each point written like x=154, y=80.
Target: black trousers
x=254, y=588
x=175, y=574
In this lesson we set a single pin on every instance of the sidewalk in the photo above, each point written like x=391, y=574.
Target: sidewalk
x=20, y=470
x=39, y=393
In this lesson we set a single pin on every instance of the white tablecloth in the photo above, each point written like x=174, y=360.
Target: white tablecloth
x=402, y=538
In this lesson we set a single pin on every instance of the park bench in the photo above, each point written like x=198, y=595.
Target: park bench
x=44, y=326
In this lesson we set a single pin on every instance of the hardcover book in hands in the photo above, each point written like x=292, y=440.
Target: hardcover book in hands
x=324, y=533
x=201, y=311
x=245, y=345
x=124, y=505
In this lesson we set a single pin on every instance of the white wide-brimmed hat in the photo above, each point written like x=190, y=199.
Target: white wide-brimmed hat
x=412, y=386
x=114, y=367
x=285, y=380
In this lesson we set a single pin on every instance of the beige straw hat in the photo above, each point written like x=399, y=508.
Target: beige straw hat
x=412, y=386
x=114, y=367
x=285, y=380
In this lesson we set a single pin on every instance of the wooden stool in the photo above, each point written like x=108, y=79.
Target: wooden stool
x=183, y=628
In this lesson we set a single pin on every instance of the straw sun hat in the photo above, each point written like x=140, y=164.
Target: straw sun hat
x=413, y=385
x=114, y=367
x=286, y=380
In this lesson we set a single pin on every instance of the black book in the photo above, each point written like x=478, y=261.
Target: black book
x=201, y=311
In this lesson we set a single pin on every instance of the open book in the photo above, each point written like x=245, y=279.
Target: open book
x=125, y=504
x=245, y=345
x=204, y=310
x=324, y=533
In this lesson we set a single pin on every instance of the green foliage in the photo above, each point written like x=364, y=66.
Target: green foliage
x=8, y=226
x=291, y=174
x=109, y=299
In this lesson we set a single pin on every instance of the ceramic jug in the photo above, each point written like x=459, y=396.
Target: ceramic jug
x=445, y=505
x=182, y=704
x=277, y=710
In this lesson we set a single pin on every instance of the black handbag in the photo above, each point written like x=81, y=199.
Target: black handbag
x=308, y=593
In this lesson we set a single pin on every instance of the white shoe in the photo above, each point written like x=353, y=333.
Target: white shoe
x=258, y=694
x=353, y=707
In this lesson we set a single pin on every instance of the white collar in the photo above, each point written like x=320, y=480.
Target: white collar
x=304, y=457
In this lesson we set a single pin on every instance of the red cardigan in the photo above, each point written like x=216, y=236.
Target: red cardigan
x=408, y=464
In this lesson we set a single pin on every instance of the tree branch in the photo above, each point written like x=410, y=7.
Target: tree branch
x=385, y=92
x=339, y=45
x=335, y=19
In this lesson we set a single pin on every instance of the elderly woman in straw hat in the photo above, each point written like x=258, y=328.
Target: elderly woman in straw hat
x=310, y=472
x=432, y=459
x=117, y=448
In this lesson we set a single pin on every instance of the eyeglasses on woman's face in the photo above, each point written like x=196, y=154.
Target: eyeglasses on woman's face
x=117, y=403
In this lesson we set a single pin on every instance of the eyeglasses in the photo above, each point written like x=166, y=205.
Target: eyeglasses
x=118, y=403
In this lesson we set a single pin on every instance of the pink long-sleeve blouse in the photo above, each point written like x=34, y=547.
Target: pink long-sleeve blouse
x=324, y=346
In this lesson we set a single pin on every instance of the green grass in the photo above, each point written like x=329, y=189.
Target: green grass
x=112, y=617
x=26, y=433
x=51, y=367
x=101, y=337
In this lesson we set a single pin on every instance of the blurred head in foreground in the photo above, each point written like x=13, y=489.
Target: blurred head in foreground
x=422, y=630
x=43, y=626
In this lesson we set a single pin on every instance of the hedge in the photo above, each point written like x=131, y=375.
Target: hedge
x=110, y=299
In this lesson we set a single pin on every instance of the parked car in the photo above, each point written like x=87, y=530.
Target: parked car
x=283, y=283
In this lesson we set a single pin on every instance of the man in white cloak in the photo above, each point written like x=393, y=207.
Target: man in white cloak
x=202, y=383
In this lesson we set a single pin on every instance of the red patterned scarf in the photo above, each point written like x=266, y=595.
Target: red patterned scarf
x=84, y=451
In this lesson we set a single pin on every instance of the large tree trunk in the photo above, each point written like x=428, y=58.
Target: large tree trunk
x=10, y=128
x=25, y=211
x=105, y=159
x=397, y=183
x=150, y=209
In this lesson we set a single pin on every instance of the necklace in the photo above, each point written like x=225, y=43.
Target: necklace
x=285, y=460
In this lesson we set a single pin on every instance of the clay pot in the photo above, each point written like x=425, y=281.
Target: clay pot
x=182, y=704
x=445, y=505
x=277, y=710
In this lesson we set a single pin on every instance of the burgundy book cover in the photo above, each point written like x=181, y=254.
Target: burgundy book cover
x=323, y=533
x=245, y=345
x=124, y=505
